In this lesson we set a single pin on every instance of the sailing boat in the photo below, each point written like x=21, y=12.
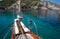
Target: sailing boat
x=19, y=30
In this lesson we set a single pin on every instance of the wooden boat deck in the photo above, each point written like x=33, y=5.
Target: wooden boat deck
x=20, y=28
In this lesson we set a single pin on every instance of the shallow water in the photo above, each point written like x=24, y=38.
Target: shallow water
x=47, y=27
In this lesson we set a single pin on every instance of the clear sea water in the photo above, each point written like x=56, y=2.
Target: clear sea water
x=47, y=27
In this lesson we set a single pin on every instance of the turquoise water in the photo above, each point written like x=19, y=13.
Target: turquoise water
x=47, y=27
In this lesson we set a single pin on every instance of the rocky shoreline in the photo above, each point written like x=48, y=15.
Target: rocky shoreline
x=39, y=6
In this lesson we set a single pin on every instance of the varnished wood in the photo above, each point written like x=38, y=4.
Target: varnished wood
x=31, y=33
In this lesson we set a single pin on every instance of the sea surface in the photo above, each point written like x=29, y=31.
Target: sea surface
x=46, y=27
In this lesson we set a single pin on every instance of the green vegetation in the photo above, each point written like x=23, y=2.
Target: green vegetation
x=31, y=2
x=6, y=3
x=34, y=3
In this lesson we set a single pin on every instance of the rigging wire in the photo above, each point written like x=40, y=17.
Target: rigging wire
x=13, y=12
x=6, y=33
x=34, y=25
x=18, y=8
x=6, y=28
x=23, y=35
x=12, y=23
